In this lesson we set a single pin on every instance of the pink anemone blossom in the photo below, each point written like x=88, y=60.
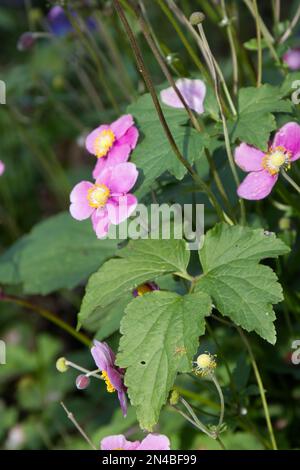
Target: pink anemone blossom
x=104, y=358
x=193, y=92
x=292, y=58
x=2, y=167
x=112, y=143
x=151, y=442
x=264, y=167
x=107, y=200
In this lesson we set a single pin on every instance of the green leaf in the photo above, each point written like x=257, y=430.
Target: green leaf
x=251, y=45
x=241, y=288
x=58, y=253
x=255, y=121
x=160, y=337
x=140, y=261
x=154, y=155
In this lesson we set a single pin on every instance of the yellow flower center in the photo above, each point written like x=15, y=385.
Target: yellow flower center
x=98, y=195
x=143, y=289
x=205, y=363
x=119, y=448
x=276, y=159
x=109, y=386
x=104, y=142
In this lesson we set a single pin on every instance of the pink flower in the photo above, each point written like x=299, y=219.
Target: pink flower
x=106, y=201
x=151, y=442
x=292, y=58
x=2, y=168
x=112, y=143
x=104, y=358
x=193, y=92
x=264, y=168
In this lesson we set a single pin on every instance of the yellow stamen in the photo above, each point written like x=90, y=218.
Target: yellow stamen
x=276, y=159
x=205, y=364
x=104, y=142
x=98, y=195
x=109, y=386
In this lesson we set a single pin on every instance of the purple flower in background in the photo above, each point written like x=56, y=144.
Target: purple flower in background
x=151, y=442
x=107, y=201
x=104, y=358
x=292, y=58
x=2, y=167
x=60, y=24
x=193, y=92
x=112, y=143
x=264, y=167
x=144, y=289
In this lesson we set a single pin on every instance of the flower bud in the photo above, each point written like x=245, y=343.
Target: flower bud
x=61, y=364
x=82, y=382
x=26, y=41
x=196, y=18
x=174, y=397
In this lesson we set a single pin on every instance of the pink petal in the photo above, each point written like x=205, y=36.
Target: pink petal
x=2, y=167
x=130, y=138
x=91, y=138
x=117, y=443
x=118, y=154
x=289, y=138
x=123, y=403
x=100, y=222
x=120, y=178
x=119, y=209
x=193, y=92
x=248, y=158
x=121, y=125
x=103, y=355
x=80, y=208
x=155, y=442
x=257, y=185
x=292, y=58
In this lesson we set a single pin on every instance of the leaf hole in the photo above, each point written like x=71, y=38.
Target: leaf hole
x=143, y=363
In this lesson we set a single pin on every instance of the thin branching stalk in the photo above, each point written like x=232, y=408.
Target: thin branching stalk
x=78, y=427
x=292, y=25
x=259, y=47
x=146, y=76
x=235, y=69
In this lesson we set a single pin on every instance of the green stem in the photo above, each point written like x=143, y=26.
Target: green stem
x=290, y=181
x=48, y=316
x=261, y=388
x=259, y=48
x=235, y=69
x=147, y=78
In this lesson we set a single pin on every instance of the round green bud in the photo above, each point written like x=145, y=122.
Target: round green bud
x=61, y=364
x=196, y=18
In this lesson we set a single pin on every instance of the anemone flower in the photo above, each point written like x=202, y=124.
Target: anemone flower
x=193, y=92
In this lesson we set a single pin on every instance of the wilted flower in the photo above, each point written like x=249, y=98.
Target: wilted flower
x=144, y=289
x=151, y=442
x=264, y=167
x=193, y=92
x=107, y=200
x=104, y=358
x=205, y=364
x=2, y=167
x=292, y=58
x=26, y=41
x=112, y=143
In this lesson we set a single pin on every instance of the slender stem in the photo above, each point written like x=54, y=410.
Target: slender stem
x=49, y=316
x=222, y=405
x=292, y=25
x=78, y=427
x=259, y=48
x=143, y=70
x=235, y=68
x=290, y=181
x=88, y=373
x=182, y=37
x=196, y=420
x=261, y=388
